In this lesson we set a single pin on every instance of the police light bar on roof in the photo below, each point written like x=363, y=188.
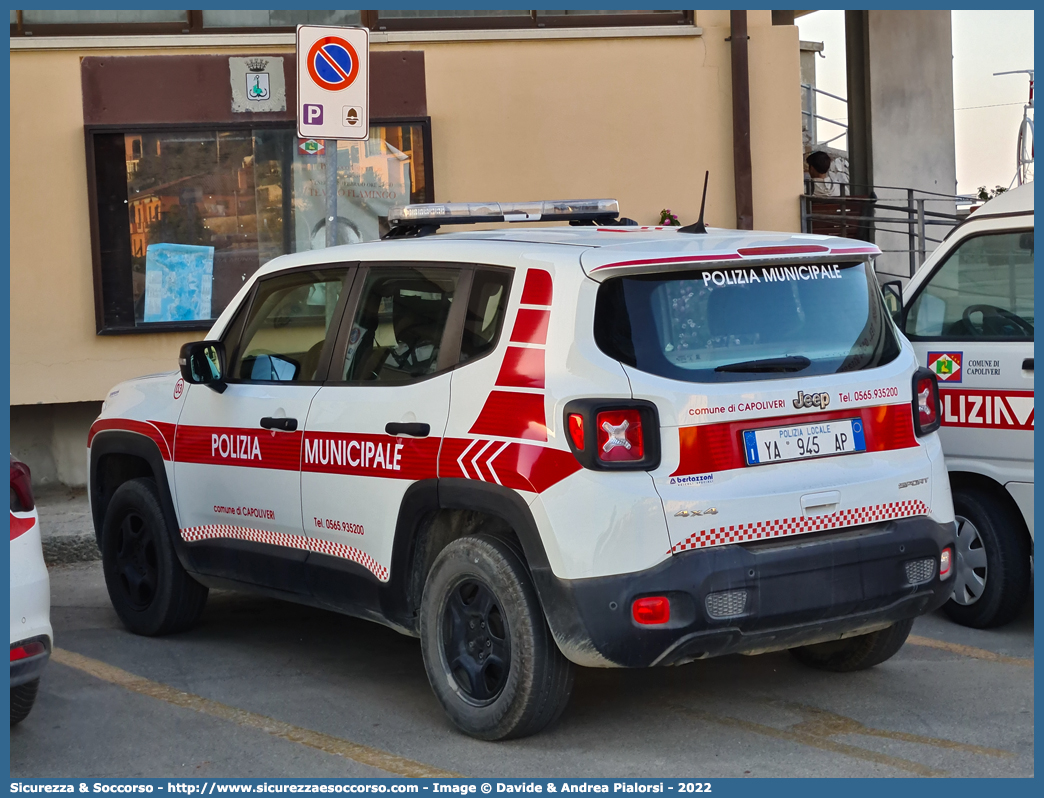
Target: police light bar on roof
x=605, y=210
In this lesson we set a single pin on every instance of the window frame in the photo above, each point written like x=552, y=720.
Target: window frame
x=232, y=347
x=91, y=131
x=371, y=19
x=927, y=281
x=374, y=21
x=21, y=29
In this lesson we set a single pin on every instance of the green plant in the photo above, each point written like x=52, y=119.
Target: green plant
x=669, y=219
x=985, y=195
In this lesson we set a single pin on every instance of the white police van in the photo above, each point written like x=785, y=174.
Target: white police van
x=598, y=444
x=969, y=314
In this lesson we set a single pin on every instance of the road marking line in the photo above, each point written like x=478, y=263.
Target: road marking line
x=821, y=723
x=969, y=651
x=363, y=754
x=814, y=741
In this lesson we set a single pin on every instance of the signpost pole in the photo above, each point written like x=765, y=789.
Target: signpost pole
x=331, y=192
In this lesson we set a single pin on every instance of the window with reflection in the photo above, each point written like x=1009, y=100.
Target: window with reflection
x=75, y=22
x=185, y=217
x=242, y=18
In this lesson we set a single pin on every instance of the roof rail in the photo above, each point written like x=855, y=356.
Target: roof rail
x=425, y=219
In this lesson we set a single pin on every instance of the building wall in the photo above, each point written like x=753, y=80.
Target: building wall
x=911, y=115
x=639, y=119
x=52, y=440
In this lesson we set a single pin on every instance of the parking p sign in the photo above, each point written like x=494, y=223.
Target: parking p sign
x=333, y=82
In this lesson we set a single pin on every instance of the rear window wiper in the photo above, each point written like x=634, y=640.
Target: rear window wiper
x=788, y=363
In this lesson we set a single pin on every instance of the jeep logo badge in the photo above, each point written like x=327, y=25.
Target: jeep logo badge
x=820, y=400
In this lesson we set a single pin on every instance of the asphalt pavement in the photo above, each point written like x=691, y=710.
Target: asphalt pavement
x=266, y=688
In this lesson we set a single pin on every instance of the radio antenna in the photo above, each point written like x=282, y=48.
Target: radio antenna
x=699, y=226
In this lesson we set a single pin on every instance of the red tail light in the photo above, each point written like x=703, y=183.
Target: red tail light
x=613, y=434
x=576, y=430
x=21, y=487
x=26, y=650
x=927, y=416
x=651, y=610
x=620, y=435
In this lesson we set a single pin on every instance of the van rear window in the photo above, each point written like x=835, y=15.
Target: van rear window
x=736, y=324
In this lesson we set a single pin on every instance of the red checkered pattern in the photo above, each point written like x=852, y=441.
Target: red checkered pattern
x=212, y=531
x=782, y=527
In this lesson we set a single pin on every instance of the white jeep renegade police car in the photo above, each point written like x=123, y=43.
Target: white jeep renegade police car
x=614, y=446
x=969, y=314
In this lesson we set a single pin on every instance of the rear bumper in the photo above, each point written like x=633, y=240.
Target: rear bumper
x=25, y=670
x=803, y=591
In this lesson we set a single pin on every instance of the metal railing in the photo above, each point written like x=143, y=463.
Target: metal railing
x=886, y=212
x=809, y=109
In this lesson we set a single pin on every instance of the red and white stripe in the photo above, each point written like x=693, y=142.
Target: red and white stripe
x=481, y=452
x=515, y=408
x=300, y=542
x=783, y=527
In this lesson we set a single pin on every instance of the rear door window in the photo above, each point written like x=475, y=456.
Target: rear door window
x=400, y=324
x=727, y=325
x=485, y=317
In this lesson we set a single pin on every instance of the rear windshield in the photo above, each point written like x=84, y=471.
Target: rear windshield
x=728, y=325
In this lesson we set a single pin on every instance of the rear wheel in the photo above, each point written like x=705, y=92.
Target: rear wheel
x=22, y=699
x=992, y=567
x=149, y=589
x=489, y=654
x=855, y=653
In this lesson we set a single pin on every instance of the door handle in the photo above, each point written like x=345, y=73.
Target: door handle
x=285, y=424
x=416, y=429
x=1027, y=364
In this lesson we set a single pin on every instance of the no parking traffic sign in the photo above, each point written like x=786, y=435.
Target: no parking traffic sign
x=333, y=82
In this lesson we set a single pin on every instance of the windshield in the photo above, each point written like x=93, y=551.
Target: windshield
x=725, y=325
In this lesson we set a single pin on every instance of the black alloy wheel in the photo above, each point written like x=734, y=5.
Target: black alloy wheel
x=147, y=584
x=137, y=564
x=491, y=659
x=475, y=641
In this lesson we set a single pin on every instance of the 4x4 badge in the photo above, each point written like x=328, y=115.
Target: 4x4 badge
x=694, y=513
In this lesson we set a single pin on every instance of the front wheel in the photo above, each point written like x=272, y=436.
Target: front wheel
x=855, y=653
x=489, y=654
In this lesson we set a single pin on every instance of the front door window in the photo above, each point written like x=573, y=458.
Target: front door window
x=984, y=290
x=287, y=328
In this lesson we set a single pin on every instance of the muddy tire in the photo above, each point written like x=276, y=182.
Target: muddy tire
x=489, y=654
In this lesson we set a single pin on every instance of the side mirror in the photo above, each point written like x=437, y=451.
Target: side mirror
x=892, y=293
x=203, y=363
